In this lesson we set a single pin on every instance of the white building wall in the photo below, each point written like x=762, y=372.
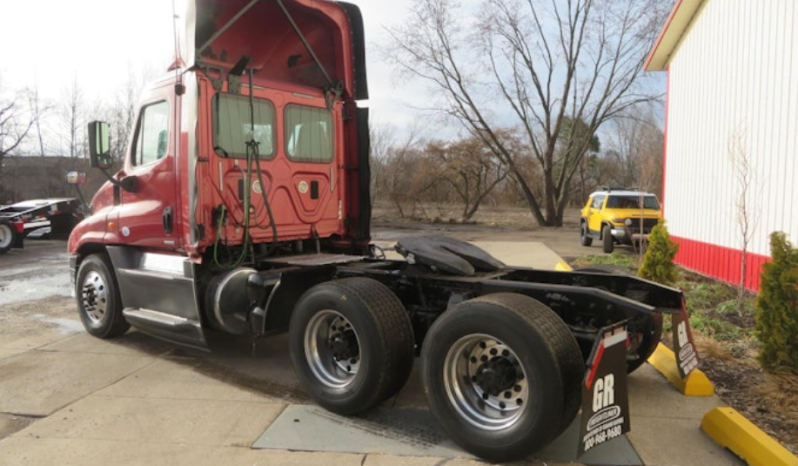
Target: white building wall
x=734, y=77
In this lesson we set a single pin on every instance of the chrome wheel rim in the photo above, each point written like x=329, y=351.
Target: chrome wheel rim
x=332, y=349
x=5, y=236
x=485, y=382
x=94, y=296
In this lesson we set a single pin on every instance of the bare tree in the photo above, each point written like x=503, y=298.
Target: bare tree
x=16, y=122
x=40, y=107
x=747, y=214
x=636, y=144
x=470, y=170
x=73, y=120
x=542, y=61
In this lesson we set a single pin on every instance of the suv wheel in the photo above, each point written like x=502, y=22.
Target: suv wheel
x=587, y=240
x=606, y=236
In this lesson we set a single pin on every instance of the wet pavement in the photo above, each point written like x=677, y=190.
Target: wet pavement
x=40, y=270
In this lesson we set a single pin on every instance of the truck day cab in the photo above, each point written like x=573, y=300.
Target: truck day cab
x=242, y=207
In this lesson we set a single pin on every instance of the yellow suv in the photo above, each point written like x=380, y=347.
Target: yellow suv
x=618, y=216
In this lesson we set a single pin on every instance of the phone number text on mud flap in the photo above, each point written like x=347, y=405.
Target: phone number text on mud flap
x=602, y=434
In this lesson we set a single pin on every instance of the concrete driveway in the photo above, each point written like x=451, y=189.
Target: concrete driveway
x=69, y=399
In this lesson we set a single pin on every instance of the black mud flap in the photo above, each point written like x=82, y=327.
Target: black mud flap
x=684, y=348
x=605, y=396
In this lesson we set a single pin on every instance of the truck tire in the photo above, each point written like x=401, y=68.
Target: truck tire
x=99, y=301
x=8, y=236
x=587, y=240
x=649, y=339
x=606, y=237
x=351, y=344
x=651, y=333
x=502, y=374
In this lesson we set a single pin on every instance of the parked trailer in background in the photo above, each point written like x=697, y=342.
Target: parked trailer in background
x=242, y=207
x=53, y=217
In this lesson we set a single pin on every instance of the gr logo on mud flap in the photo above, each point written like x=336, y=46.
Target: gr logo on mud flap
x=604, y=392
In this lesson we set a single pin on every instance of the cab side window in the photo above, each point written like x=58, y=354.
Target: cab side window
x=597, y=201
x=152, y=134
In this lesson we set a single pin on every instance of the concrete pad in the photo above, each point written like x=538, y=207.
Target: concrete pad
x=11, y=423
x=178, y=421
x=38, y=383
x=266, y=370
x=8, y=352
x=31, y=324
x=410, y=432
x=25, y=341
x=651, y=396
x=132, y=343
x=676, y=442
x=526, y=254
x=26, y=451
x=393, y=432
x=179, y=380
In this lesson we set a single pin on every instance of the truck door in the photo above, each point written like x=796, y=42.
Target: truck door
x=147, y=214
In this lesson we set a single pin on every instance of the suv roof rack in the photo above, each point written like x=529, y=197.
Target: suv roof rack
x=616, y=188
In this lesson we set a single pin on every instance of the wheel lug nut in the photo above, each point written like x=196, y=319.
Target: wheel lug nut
x=508, y=395
x=353, y=361
x=482, y=344
x=484, y=358
x=517, y=388
x=493, y=352
x=473, y=359
x=505, y=353
x=519, y=402
x=485, y=396
x=502, y=405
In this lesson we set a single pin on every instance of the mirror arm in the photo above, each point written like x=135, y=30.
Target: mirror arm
x=127, y=183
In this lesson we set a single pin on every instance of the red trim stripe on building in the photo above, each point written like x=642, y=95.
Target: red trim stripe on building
x=719, y=262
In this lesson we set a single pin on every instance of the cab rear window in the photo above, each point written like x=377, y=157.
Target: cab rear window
x=234, y=126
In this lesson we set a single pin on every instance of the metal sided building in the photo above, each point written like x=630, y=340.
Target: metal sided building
x=732, y=98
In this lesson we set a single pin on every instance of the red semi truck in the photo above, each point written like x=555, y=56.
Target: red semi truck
x=242, y=207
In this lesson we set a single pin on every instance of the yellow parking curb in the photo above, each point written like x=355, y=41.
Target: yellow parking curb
x=731, y=430
x=696, y=383
x=563, y=266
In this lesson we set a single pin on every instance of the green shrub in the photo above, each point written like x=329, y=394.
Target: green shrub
x=777, y=308
x=658, y=263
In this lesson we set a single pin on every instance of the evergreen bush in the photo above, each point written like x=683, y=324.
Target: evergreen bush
x=658, y=263
x=777, y=308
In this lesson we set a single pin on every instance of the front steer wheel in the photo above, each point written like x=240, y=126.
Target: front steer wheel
x=351, y=344
x=99, y=302
x=502, y=374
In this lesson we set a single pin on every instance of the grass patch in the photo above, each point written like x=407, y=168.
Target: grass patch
x=617, y=259
x=711, y=304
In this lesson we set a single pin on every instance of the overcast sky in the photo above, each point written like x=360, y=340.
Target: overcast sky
x=47, y=43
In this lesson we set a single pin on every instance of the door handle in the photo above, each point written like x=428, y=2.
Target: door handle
x=167, y=220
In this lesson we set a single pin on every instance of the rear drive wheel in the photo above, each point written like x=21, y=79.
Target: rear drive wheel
x=502, y=374
x=587, y=240
x=606, y=237
x=99, y=302
x=8, y=236
x=645, y=332
x=351, y=344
